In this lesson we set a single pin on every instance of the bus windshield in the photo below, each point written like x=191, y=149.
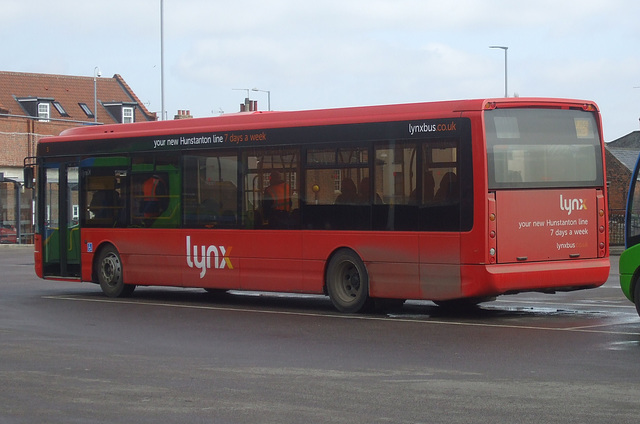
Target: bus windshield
x=536, y=148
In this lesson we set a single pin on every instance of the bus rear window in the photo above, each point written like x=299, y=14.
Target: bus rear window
x=531, y=148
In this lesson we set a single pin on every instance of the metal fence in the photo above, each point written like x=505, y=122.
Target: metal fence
x=616, y=227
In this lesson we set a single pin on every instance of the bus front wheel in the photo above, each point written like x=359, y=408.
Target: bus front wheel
x=348, y=282
x=110, y=277
x=636, y=296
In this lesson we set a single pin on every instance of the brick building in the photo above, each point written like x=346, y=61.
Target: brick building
x=620, y=158
x=33, y=106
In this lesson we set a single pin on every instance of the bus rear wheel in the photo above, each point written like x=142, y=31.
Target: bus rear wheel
x=348, y=282
x=110, y=276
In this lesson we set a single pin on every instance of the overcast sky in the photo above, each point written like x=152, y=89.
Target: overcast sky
x=336, y=53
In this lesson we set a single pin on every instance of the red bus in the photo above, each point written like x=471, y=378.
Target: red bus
x=455, y=202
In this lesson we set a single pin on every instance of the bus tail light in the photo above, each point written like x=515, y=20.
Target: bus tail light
x=602, y=222
x=492, y=228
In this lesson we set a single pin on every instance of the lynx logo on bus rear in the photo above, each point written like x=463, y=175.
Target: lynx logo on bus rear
x=571, y=205
x=203, y=259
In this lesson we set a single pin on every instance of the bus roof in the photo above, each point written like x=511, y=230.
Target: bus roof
x=313, y=117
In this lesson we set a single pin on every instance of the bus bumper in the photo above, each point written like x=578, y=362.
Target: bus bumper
x=538, y=277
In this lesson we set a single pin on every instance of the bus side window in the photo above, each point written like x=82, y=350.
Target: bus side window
x=149, y=198
x=449, y=190
x=210, y=193
x=271, y=198
x=154, y=195
x=396, y=180
x=338, y=189
x=155, y=191
x=441, y=180
x=104, y=205
x=276, y=202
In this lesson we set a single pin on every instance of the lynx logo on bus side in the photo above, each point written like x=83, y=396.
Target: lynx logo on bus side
x=571, y=205
x=203, y=259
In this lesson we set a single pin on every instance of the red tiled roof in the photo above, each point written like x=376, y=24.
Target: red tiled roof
x=68, y=91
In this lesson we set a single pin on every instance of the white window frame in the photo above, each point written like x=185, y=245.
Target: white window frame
x=44, y=112
x=337, y=181
x=127, y=115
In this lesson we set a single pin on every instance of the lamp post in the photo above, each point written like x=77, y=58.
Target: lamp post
x=162, y=112
x=243, y=89
x=505, y=67
x=247, y=100
x=96, y=73
x=268, y=97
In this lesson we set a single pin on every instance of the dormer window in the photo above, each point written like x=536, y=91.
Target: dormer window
x=43, y=112
x=36, y=107
x=127, y=115
x=123, y=113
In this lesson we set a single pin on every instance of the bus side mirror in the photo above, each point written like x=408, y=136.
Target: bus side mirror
x=28, y=177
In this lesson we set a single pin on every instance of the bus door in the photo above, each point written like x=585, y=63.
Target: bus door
x=61, y=231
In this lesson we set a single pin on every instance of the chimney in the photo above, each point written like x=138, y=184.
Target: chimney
x=249, y=105
x=183, y=114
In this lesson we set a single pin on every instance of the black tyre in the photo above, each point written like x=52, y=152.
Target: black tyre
x=348, y=282
x=109, y=270
x=636, y=297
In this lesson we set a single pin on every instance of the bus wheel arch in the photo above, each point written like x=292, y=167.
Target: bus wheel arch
x=108, y=272
x=347, y=281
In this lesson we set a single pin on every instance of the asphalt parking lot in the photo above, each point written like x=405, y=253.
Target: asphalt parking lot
x=69, y=354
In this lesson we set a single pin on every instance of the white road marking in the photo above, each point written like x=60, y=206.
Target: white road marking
x=389, y=318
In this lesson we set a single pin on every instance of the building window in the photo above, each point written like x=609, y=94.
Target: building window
x=127, y=115
x=43, y=112
x=86, y=110
x=60, y=109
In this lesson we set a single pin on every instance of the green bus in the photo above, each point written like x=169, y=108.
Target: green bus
x=630, y=258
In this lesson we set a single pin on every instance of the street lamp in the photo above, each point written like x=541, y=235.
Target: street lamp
x=247, y=100
x=268, y=97
x=505, y=67
x=162, y=112
x=242, y=89
x=96, y=73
